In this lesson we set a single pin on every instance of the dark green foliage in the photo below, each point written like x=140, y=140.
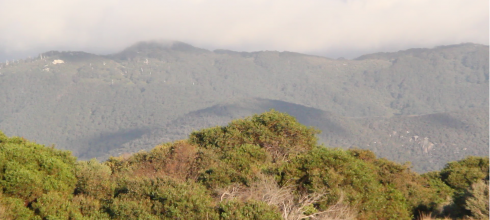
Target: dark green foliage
x=89, y=207
x=55, y=205
x=244, y=157
x=251, y=209
x=14, y=208
x=239, y=151
x=130, y=209
x=280, y=134
x=338, y=171
x=29, y=170
x=36, y=179
x=160, y=197
x=421, y=194
x=241, y=165
x=425, y=193
x=94, y=179
x=261, y=167
x=461, y=174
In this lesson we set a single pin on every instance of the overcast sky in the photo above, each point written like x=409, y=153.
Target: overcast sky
x=332, y=28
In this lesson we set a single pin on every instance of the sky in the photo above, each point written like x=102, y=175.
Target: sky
x=331, y=28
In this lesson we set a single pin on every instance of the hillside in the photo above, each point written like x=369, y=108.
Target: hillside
x=93, y=105
x=428, y=141
x=266, y=166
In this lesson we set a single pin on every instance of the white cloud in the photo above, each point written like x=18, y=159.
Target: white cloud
x=330, y=27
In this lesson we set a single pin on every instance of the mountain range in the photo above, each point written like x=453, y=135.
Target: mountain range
x=424, y=106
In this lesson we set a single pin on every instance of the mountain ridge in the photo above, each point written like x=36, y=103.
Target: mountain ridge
x=86, y=98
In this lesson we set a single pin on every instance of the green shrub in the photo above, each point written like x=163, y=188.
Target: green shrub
x=14, y=208
x=460, y=175
x=237, y=165
x=251, y=209
x=123, y=208
x=54, y=205
x=94, y=179
x=29, y=170
x=336, y=171
x=163, y=197
x=280, y=134
x=90, y=207
x=266, y=164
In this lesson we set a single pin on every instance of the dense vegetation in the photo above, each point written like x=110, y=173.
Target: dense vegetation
x=93, y=105
x=267, y=166
x=427, y=141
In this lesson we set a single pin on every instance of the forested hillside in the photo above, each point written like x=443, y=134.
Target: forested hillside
x=267, y=166
x=428, y=141
x=94, y=105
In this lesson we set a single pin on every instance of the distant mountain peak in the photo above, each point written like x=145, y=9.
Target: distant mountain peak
x=162, y=45
x=453, y=48
x=145, y=48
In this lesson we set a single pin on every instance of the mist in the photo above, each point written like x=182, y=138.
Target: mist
x=334, y=28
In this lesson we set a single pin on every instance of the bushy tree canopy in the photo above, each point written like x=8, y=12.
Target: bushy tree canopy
x=266, y=166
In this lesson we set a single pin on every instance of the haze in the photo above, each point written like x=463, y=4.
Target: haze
x=332, y=28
